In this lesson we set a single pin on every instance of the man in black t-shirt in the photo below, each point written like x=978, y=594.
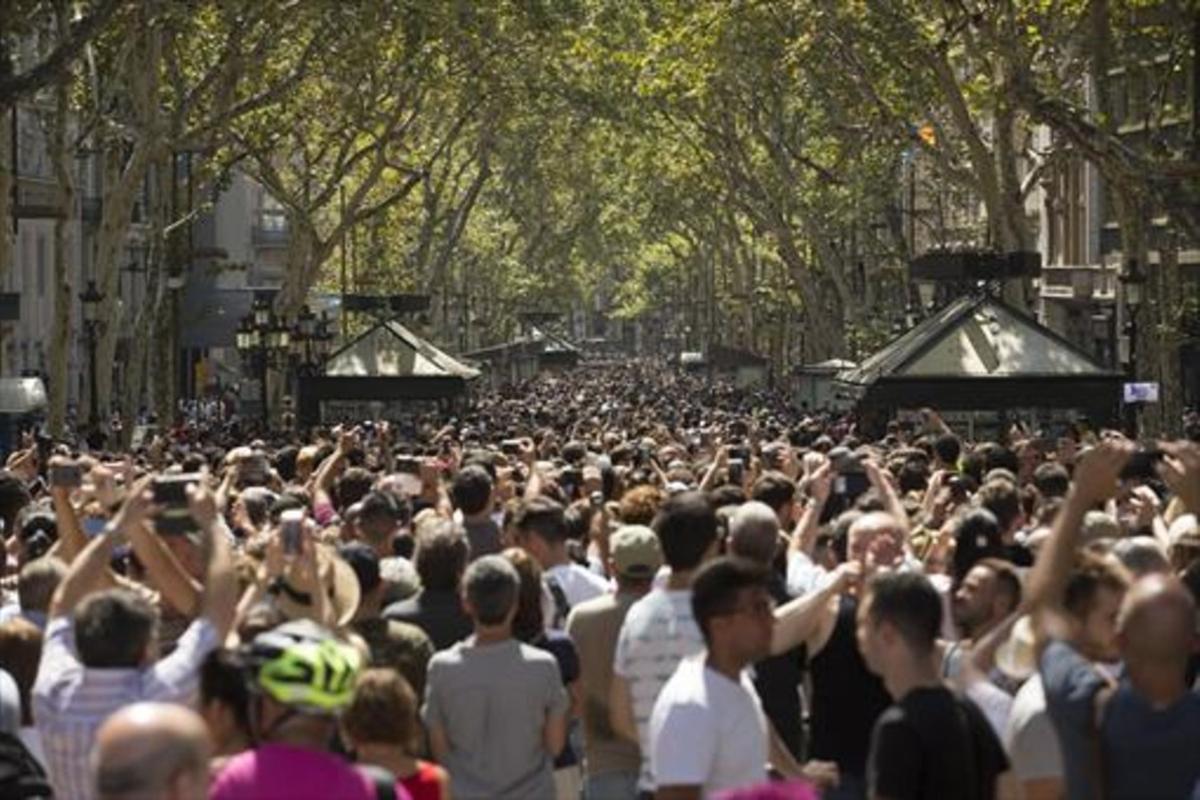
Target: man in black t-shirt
x=930, y=743
x=754, y=535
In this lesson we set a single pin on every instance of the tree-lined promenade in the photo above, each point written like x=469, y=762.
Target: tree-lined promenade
x=753, y=173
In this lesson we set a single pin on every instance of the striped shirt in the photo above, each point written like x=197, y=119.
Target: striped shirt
x=657, y=634
x=71, y=701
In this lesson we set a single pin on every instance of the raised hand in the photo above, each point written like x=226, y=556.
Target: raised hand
x=348, y=441
x=821, y=484
x=139, y=506
x=1145, y=504
x=846, y=576
x=202, y=505
x=1099, y=469
x=528, y=452
x=1180, y=470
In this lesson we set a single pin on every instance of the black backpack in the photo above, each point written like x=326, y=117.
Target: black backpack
x=21, y=776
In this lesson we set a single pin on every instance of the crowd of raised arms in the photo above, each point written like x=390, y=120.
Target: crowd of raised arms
x=619, y=582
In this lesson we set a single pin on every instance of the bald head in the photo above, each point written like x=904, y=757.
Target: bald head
x=754, y=532
x=152, y=750
x=877, y=539
x=1157, y=623
x=1142, y=555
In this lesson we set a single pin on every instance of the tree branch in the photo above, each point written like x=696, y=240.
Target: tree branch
x=14, y=87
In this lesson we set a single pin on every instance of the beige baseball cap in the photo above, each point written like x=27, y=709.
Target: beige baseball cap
x=635, y=551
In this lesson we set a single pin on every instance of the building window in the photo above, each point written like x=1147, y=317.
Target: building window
x=271, y=213
x=1177, y=92
x=1068, y=214
x=41, y=266
x=1138, y=95
x=27, y=264
x=1116, y=99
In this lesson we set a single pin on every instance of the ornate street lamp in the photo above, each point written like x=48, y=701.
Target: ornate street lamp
x=927, y=292
x=261, y=313
x=310, y=338
x=263, y=340
x=90, y=299
x=324, y=337
x=1133, y=281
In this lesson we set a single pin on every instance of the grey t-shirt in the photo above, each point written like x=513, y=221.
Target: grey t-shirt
x=492, y=701
x=1145, y=752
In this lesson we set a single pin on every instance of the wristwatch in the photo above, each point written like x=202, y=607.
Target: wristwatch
x=280, y=586
x=112, y=530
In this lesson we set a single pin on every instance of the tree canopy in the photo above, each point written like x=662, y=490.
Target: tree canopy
x=755, y=172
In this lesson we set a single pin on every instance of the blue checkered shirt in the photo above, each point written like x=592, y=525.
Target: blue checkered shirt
x=71, y=701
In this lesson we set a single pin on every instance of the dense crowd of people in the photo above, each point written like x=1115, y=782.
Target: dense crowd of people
x=621, y=582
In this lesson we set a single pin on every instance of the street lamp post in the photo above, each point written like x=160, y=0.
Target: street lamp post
x=311, y=338
x=1133, y=283
x=90, y=299
x=264, y=341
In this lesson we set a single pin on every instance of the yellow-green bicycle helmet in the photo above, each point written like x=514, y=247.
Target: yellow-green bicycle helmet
x=301, y=665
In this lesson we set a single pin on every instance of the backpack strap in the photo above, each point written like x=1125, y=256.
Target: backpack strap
x=384, y=781
x=561, y=606
x=1095, y=765
x=948, y=659
x=21, y=776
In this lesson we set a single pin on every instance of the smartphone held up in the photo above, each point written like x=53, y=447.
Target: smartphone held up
x=291, y=531
x=170, y=494
x=66, y=475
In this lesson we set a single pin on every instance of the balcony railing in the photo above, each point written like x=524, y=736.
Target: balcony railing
x=1077, y=282
x=269, y=236
x=37, y=198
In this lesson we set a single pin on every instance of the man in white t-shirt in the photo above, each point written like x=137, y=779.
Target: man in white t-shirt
x=1032, y=744
x=659, y=630
x=541, y=530
x=708, y=732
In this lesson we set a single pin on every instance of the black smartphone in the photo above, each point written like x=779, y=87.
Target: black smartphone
x=570, y=480
x=845, y=461
x=851, y=485
x=44, y=445
x=408, y=465
x=510, y=447
x=958, y=489
x=68, y=476
x=1142, y=465
x=291, y=531
x=254, y=470
x=737, y=471
x=170, y=492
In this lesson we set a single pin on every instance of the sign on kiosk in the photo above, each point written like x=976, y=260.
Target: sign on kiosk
x=1141, y=393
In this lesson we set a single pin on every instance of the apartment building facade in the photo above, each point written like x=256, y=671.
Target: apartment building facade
x=233, y=250
x=1152, y=106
